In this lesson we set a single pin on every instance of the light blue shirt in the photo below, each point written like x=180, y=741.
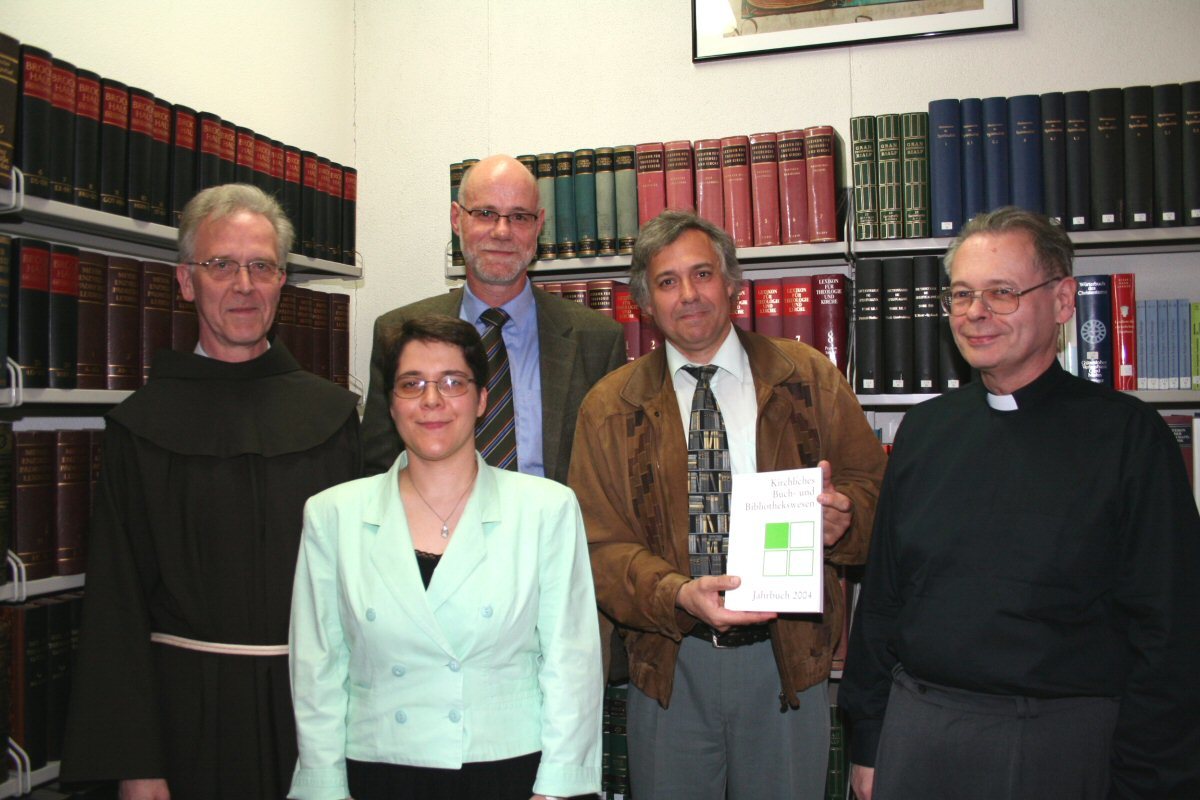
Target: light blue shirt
x=524, y=361
x=500, y=657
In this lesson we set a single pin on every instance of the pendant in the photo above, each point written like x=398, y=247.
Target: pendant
x=445, y=531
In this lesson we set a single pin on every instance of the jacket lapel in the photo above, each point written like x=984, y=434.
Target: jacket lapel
x=468, y=546
x=557, y=354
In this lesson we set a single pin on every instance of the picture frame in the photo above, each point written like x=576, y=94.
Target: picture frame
x=737, y=28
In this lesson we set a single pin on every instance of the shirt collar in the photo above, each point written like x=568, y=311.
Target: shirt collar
x=1031, y=393
x=730, y=357
x=522, y=308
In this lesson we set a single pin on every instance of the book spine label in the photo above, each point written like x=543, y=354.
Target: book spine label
x=764, y=188
x=547, y=247
x=914, y=165
x=62, y=145
x=139, y=142
x=735, y=177
x=585, y=202
x=768, y=307
x=625, y=182
x=945, y=167
x=34, y=120
x=1079, y=170
x=64, y=317
x=651, y=182
x=1138, y=123
x=606, y=203
x=710, y=201
x=680, y=176
x=1054, y=157
x=889, y=177
x=567, y=245
x=868, y=331
x=1106, y=139
x=600, y=296
x=1025, y=151
x=863, y=167
x=1168, y=155
x=1093, y=326
x=997, y=180
x=822, y=184
x=793, y=188
x=972, y=158
x=743, y=306
x=87, y=139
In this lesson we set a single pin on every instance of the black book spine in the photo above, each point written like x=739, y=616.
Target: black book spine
x=114, y=130
x=87, y=139
x=34, y=123
x=183, y=160
x=953, y=370
x=898, y=326
x=139, y=161
x=208, y=157
x=160, y=164
x=291, y=190
x=925, y=324
x=262, y=163
x=1093, y=326
x=310, y=169
x=321, y=212
x=349, y=213
x=64, y=317
x=29, y=324
x=62, y=129
x=1105, y=115
x=58, y=673
x=1137, y=121
x=228, y=152
x=1079, y=171
x=277, y=169
x=1190, y=152
x=333, y=228
x=1168, y=156
x=10, y=79
x=1054, y=156
x=33, y=650
x=868, y=330
x=244, y=161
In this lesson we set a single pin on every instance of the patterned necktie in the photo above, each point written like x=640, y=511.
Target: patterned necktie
x=496, y=431
x=709, y=479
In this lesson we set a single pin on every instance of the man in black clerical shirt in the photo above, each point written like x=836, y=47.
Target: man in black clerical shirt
x=1027, y=625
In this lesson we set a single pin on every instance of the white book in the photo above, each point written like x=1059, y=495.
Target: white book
x=775, y=544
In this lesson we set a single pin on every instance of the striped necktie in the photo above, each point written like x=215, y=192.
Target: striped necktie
x=496, y=431
x=709, y=479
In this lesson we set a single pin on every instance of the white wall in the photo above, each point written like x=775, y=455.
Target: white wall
x=424, y=88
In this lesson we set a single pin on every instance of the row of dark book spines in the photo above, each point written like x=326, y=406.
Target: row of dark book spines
x=42, y=638
x=902, y=341
x=83, y=320
x=614, y=743
x=99, y=144
x=50, y=478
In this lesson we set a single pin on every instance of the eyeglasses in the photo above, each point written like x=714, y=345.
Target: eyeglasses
x=997, y=300
x=226, y=269
x=410, y=388
x=518, y=219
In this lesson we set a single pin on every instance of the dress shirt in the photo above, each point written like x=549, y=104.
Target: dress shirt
x=733, y=386
x=524, y=361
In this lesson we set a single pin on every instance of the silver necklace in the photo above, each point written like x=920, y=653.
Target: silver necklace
x=445, y=519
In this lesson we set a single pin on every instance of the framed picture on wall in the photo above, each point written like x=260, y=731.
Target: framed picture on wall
x=735, y=28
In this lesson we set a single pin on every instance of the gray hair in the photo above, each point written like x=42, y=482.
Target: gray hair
x=1053, y=252
x=661, y=232
x=218, y=202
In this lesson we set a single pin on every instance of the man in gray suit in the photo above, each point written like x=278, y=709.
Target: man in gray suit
x=556, y=349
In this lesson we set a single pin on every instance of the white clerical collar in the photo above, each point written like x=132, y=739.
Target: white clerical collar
x=1002, y=402
x=200, y=351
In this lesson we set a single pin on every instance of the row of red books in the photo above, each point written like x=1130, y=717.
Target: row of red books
x=84, y=320
x=806, y=308
x=97, y=143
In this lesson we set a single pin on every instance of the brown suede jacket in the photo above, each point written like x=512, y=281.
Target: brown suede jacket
x=629, y=470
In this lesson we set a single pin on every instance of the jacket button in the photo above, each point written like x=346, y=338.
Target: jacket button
x=399, y=670
x=401, y=717
x=487, y=612
x=455, y=716
x=454, y=666
x=370, y=615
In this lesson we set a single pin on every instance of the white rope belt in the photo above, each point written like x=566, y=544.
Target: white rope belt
x=220, y=647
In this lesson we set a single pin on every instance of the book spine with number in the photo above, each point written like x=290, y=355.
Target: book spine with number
x=764, y=188
x=710, y=202
x=63, y=314
x=72, y=479
x=625, y=181
x=651, y=181
x=139, y=141
x=680, y=178
x=945, y=167
x=768, y=306
x=1093, y=326
x=1025, y=152
x=33, y=502
x=898, y=326
x=349, y=214
x=626, y=313
x=29, y=310
x=584, y=163
x=972, y=158
x=925, y=313
x=1190, y=151
x=1124, y=332
x=1079, y=159
x=868, y=330
x=794, y=226
x=997, y=180
x=798, y=309
x=122, y=297
x=62, y=127
x=1106, y=140
x=87, y=139
x=566, y=244
x=114, y=135
x=547, y=246
x=735, y=178
x=953, y=371
x=155, y=312
x=1054, y=157
x=820, y=145
x=160, y=158
x=606, y=203
x=914, y=168
x=829, y=317
x=208, y=159
x=91, y=354
x=1168, y=164
x=10, y=80
x=1138, y=124
x=34, y=119
x=889, y=180
x=863, y=167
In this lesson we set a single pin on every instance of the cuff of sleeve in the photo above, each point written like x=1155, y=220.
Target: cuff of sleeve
x=864, y=741
x=566, y=780
x=326, y=783
x=673, y=618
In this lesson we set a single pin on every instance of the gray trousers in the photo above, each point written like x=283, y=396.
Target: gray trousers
x=724, y=735
x=939, y=742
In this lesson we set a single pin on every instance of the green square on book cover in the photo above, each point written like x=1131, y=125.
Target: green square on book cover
x=777, y=536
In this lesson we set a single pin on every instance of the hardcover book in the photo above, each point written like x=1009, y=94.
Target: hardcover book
x=122, y=298
x=547, y=247
x=61, y=347
x=308, y=233
x=651, y=181
x=87, y=139
x=974, y=201
x=157, y=290
x=138, y=164
x=898, y=326
x=710, y=202
x=292, y=189
x=33, y=502
x=1138, y=123
x=10, y=79
x=92, y=322
x=914, y=164
x=34, y=119
x=72, y=499
x=953, y=370
x=1025, y=151
x=304, y=327
x=889, y=178
x=793, y=188
x=1079, y=170
x=28, y=686
x=625, y=311
x=29, y=310
x=114, y=135
x=339, y=338
x=1093, y=325
x=1168, y=155
x=764, y=188
x=7, y=254
x=319, y=346
x=244, y=157
x=160, y=172
x=625, y=180
x=926, y=318
x=1190, y=151
x=62, y=130
x=585, y=202
x=819, y=146
x=1124, y=328
x=58, y=676
x=680, y=176
x=6, y=493
x=829, y=317
x=600, y=296
x=945, y=167
x=798, y=309
x=1106, y=140
x=208, y=160
x=567, y=245
x=743, y=306
x=1054, y=157
x=349, y=239
x=228, y=151
x=868, y=326
x=863, y=168
x=606, y=202
x=997, y=177
x=768, y=307
x=735, y=176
